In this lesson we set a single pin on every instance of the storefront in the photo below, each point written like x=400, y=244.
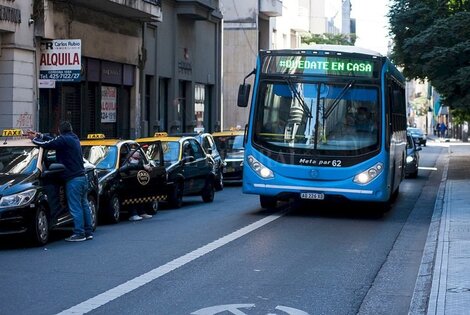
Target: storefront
x=99, y=103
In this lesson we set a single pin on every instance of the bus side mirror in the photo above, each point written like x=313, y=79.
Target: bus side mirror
x=243, y=95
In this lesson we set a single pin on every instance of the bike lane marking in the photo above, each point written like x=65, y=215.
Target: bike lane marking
x=133, y=284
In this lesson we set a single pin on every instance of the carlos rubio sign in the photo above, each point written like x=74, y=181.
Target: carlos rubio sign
x=61, y=60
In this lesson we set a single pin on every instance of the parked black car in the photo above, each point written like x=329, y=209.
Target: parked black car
x=232, y=151
x=412, y=157
x=120, y=189
x=208, y=144
x=418, y=135
x=32, y=194
x=190, y=170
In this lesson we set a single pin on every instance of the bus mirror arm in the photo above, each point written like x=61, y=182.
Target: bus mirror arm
x=244, y=91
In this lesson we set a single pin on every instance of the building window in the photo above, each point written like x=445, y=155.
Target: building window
x=199, y=102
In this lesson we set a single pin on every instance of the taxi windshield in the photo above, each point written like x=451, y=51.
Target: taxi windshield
x=102, y=156
x=18, y=160
x=171, y=151
x=230, y=146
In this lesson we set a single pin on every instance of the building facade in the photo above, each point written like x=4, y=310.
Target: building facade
x=134, y=73
x=247, y=29
x=184, y=68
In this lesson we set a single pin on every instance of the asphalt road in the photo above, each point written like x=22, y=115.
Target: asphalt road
x=231, y=257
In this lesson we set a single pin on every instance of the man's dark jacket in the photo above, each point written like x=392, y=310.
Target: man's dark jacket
x=68, y=152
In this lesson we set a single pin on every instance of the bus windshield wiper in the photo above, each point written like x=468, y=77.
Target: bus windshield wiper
x=299, y=98
x=339, y=98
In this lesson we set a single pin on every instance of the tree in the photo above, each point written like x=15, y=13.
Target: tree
x=328, y=38
x=432, y=41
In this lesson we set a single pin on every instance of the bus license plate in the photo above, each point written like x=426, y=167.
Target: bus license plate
x=316, y=196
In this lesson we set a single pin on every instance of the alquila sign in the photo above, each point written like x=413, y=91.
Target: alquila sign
x=60, y=60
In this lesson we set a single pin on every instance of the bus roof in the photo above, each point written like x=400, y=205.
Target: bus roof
x=228, y=133
x=331, y=48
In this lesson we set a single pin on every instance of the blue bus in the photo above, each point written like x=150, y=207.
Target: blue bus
x=326, y=123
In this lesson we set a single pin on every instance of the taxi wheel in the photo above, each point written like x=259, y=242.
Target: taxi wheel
x=40, y=227
x=93, y=211
x=208, y=192
x=153, y=209
x=220, y=181
x=114, y=209
x=176, y=198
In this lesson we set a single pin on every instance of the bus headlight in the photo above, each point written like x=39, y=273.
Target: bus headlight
x=368, y=175
x=259, y=168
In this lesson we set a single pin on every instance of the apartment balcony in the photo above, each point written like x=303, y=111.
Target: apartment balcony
x=199, y=9
x=141, y=10
x=270, y=8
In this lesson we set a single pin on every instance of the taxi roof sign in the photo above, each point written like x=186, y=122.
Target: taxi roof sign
x=12, y=133
x=160, y=134
x=95, y=136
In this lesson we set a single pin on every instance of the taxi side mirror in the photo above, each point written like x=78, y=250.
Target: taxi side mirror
x=54, y=169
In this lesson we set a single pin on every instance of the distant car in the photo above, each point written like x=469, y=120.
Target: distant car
x=230, y=146
x=418, y=135
x=32, y=193
x=412, y=157
x=120, y=189
x=207, y=142
x=190, y=170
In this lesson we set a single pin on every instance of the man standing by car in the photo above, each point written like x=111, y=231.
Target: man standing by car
x=69, y=153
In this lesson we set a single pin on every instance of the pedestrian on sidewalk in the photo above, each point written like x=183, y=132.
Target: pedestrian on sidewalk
x=443, y=129
x=69, y=153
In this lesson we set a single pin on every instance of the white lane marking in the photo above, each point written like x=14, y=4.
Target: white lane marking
x=133, y=284
x=427, y=168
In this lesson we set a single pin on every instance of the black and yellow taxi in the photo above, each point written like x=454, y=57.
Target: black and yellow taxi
x=121, y=188
x=231, y=149
x=207, y=142
x=190, y=170
x=32, y=193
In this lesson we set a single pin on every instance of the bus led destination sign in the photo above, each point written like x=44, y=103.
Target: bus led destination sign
x=319, y=65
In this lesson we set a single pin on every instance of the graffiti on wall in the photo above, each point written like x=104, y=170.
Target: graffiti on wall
x=24, y=120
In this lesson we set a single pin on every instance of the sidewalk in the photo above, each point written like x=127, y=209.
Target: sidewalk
x=443, y=284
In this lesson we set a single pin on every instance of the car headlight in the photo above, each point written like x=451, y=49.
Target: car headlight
x=409, y=159
x=259, y=168
x=368, y=175
x=19, y=199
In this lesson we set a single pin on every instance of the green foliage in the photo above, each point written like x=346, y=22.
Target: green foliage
x=432, y=41
x=328, y=38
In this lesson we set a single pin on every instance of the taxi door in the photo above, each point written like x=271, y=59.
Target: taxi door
x=199, y=168
x=141, y=186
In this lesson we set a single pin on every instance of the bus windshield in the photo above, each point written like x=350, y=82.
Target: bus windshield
x=317, y=118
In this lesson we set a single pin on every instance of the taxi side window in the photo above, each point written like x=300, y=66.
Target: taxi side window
x=123, y=154
x=187, y=149
x=197, y=149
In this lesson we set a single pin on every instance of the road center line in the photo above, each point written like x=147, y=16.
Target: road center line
x=137, y=282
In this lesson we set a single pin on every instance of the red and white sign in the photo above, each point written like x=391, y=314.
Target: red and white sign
x=108, y=104
x=60, y=60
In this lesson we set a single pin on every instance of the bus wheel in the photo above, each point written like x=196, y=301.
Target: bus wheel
x=268, y=202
